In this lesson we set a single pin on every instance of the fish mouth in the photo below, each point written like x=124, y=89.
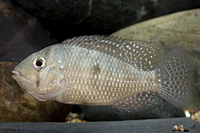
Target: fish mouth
x=16, y=73
x=17, y=76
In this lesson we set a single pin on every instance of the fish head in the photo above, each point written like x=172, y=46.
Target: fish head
x=38, y=74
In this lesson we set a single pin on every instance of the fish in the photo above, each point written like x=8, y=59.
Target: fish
x=104, y=70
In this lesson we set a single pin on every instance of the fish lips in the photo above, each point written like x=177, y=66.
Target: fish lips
x=16, y=75
x=20, y=79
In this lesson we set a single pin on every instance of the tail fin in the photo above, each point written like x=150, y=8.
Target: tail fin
x=175, y=76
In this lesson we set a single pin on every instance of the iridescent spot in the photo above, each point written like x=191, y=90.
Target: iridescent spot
x=62, y=76
x=59, y=61
x=62, y=66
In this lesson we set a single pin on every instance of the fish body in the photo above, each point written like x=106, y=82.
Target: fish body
x=98, y=70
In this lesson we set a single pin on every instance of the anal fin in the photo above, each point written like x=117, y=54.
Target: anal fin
x=138, y=102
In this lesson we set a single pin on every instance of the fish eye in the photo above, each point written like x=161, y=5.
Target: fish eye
x=39, y=63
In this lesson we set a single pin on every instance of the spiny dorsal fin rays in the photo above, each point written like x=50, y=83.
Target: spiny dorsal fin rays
x=140, y=54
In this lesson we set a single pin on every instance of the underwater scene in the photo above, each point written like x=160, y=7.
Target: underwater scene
x=100, y=66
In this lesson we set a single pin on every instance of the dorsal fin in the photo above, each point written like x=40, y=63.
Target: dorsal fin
x=140, y=54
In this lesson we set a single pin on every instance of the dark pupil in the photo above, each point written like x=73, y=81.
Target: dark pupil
x=39, y=63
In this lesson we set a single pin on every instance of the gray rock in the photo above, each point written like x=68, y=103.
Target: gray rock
x=134, y=126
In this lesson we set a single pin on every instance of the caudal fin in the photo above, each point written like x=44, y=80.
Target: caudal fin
x=175, y=77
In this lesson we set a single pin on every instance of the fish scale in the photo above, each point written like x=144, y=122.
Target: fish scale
x=116, y=82
x=99, y=70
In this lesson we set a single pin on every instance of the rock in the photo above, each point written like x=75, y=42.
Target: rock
x=16, y=105
x=140, y=126
x=21, y=34
x=98, y=17
x=179, y=29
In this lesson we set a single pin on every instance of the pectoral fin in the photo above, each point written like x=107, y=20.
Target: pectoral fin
x=63, y=87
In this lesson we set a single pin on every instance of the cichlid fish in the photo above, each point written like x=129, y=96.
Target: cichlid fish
x=98, y=70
